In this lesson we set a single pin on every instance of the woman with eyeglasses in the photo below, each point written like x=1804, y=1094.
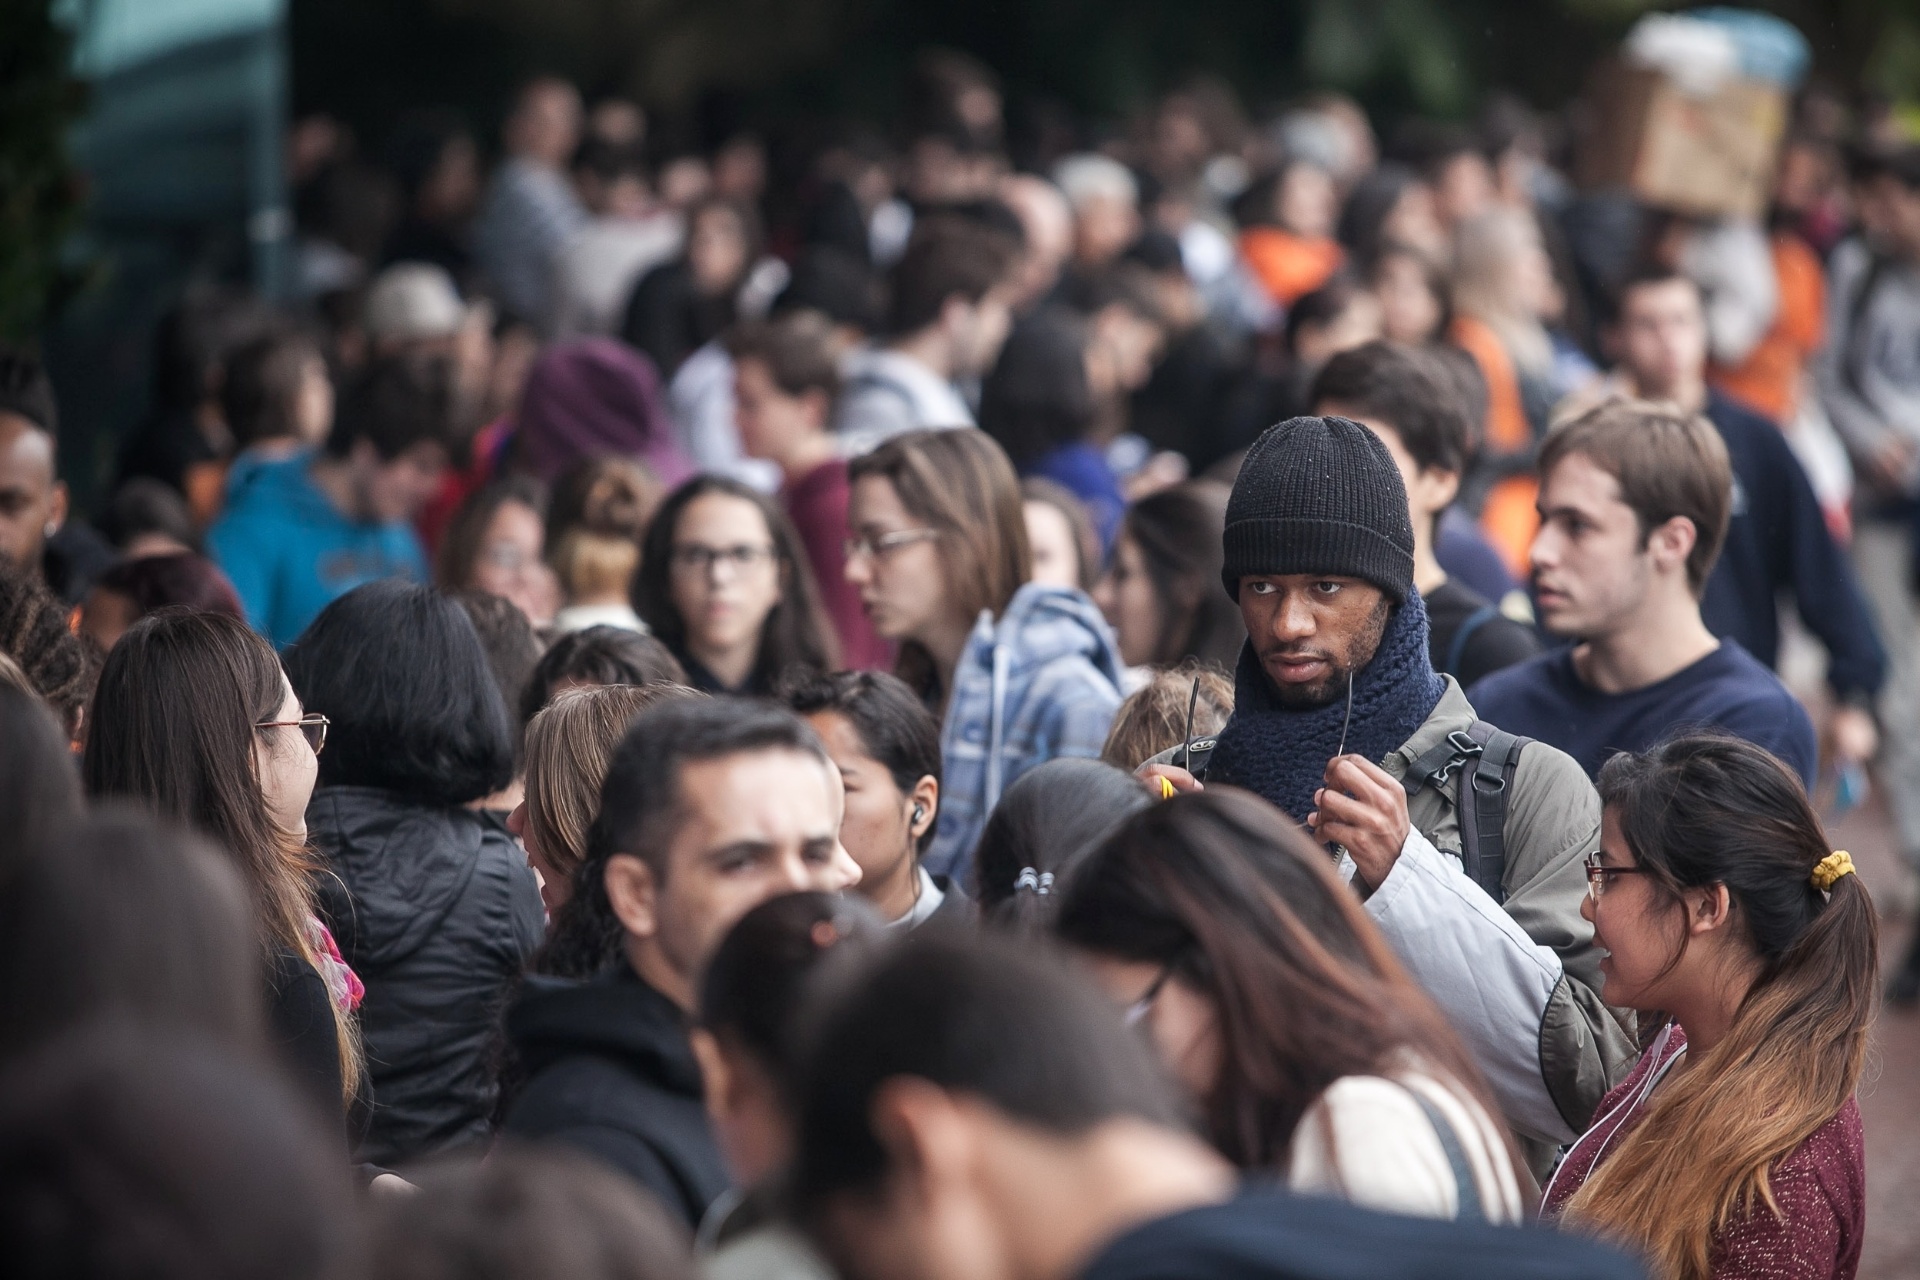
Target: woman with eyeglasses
x=194, y=720
x=1734, y=1148
x=1018, y=672
x=724, y=584
x=1225, y=933
x=496, y=544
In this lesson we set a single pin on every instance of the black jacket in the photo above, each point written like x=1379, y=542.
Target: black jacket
x=437, y=912
x=609, y=1070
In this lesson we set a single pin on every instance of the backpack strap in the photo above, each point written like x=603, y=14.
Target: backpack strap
x=1482, y=806
x=1479, y=763
x=1457, y=648
x=1467, y=1205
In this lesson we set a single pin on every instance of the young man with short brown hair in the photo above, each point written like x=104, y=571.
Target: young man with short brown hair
x=1634, y=502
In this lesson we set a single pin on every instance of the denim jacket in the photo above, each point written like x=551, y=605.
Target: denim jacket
x=1042, y=681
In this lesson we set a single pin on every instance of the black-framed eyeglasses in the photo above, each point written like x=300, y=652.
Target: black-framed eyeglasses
x=882, y=545
x=1600, y=875
x=697, y=560
x=1139, y=1009
x=312, y=727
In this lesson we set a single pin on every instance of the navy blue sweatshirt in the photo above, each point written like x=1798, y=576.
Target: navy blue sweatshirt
x=1545, y=698
x=1778, y=541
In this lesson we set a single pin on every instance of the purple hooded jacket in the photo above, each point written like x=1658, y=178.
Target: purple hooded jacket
x=596, y=398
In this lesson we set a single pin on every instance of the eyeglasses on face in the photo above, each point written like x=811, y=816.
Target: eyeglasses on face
x=1139, y=1009
x=1600, y=876
x=882, y=545
x=312, y=727
x=697, y=560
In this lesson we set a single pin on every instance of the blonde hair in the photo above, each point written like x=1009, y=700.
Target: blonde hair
x=600, y=513
x=568, y=746
x=1154, y=716
x=1486, y=248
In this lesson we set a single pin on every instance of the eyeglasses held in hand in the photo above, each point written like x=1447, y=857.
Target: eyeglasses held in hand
x=882, y=545
x=312, y=727
x=1600, y=876
x=697, y=560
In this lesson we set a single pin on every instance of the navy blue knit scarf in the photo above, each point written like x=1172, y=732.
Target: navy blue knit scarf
x=1282, y=754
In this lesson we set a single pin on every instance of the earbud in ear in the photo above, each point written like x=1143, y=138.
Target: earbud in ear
x=919, y=812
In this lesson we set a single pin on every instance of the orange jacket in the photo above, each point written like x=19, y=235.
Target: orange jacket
x=1769, y=378
x=1286, y=265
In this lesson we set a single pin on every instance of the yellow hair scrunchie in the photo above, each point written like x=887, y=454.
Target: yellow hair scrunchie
x=1831, y=868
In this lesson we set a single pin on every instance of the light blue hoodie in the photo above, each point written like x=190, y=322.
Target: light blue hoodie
x=290, y=553
x=1043, y=681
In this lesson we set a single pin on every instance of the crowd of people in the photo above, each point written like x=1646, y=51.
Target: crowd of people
x=910, y=718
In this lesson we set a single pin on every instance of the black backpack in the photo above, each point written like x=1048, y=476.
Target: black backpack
x=1493, y=753
x=1485, y=758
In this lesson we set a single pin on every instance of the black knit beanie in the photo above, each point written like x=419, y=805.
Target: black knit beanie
x=1320, y=495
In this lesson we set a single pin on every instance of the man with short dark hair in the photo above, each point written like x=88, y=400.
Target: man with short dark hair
x=1634, y=502
x=786, y=375
x=299, y=534
x=1466, y=842
x=950, y=310
x=970, y=1112
x=35, y=535
x=711, y=807
x=1401, y=396
x=1777, y=536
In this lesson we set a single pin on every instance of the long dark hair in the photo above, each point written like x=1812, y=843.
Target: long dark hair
x=122, y=916
x=1702, y=810
x=173, y=728
x=39, y=787
x=1178, y=532
x=795, y=639
x=1231, y=896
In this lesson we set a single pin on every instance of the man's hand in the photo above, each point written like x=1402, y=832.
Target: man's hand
x=1363, y=810
x=1854, y=736
x=1179, y=779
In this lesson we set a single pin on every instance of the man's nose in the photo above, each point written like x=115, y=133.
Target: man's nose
x=1294, y=619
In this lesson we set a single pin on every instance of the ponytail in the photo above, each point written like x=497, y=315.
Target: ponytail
x=1704, y=810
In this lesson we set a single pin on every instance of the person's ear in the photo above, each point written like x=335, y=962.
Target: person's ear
x=1434, y=488
x=956, y=315
x=633, y=893
x=929, y=1137
x=1708, y=909
x=925, y=801
x=1672, y=542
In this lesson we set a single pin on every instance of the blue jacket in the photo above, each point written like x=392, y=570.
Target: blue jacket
x=290, y=553
x=1777, y=541
x=1043, y=681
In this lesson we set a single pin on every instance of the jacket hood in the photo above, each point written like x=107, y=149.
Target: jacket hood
x=615, y=1016
x=1041, y=624
x=405, y=864
x=276, y=485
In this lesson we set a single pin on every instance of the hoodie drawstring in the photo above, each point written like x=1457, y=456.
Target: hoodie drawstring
x=996, y=722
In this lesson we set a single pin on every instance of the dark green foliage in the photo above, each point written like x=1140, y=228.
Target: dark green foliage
x=40, y=195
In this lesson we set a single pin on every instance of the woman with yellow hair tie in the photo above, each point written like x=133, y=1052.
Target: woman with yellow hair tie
x=1733, y=1149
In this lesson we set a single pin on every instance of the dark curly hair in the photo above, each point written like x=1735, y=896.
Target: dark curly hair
x=34, y=632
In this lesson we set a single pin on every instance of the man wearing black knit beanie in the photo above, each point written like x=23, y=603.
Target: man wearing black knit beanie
x=1468, y=844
